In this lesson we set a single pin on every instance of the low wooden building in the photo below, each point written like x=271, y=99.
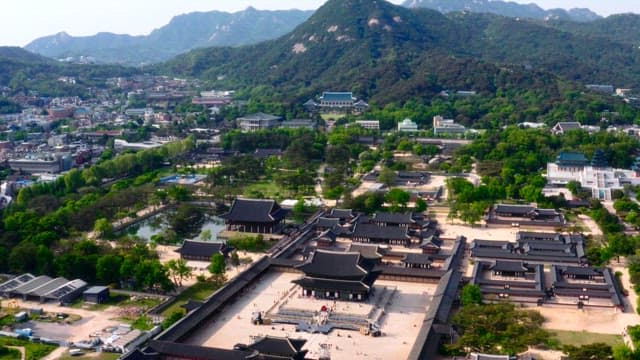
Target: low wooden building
x=255, y=216
x=202, y=250
x=337, y=275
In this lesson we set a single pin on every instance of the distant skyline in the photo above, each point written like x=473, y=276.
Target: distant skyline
x=23, y=21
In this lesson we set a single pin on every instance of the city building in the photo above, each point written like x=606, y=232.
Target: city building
x=298, y=124
x=407, y=125
x=340, y=102
x=447, y=127
x=596, y=175
x=562, y=127
x=258, y=121
x=96, y=294
x=369, y=124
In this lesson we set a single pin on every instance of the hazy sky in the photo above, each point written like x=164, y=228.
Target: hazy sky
x=24, y=20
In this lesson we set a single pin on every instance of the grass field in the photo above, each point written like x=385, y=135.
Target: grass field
x=199, y=291
x=33, y=351
x=579, y=338
x=92, y=356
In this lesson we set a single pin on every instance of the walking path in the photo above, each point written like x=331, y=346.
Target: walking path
x=23, y=354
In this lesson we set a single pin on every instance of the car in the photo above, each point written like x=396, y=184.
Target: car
x=76, y=352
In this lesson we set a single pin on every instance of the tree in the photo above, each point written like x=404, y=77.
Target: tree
x=421, y=205
x=218, y=269
x=589, y=352
x=172, y=318
x=108, y=269
x=498, y=328
x=186, y=220
x=206, y=235
x=235, y=259
x=574, y=187
x=103, y=228
x=471, y=295
x=217, y=266
x=178, y=270
x=387, y=176
x=398, y=199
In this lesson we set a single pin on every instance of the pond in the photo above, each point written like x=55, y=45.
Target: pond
x=158, y=223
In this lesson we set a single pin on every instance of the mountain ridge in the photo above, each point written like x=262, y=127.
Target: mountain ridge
x=182, y=33
x=505, y=8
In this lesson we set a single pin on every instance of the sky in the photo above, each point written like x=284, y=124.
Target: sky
x=22, y=21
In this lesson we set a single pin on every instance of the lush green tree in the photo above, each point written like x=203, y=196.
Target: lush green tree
x=206, y=235
x=172, y=318
x=218, y=265
x=398, y=199
x=471, y=295
x=421, y=205
x=108, y=269
x=589, y=352
x=387, y=176
x=103, y=228
x=623, y=352
x=497, y=328
x=235, y=259
x=178, y=270
x=574, y=186
x=186, y=220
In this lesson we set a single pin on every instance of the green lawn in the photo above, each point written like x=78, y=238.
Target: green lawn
x=199, y=291
x=267, y=189
x=9, y=354
x=114, y=300
x=579, y=338
x=91, y=356
x=33, y=351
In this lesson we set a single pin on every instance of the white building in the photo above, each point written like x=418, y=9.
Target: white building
x=601, y=179
x=258, y=121
x=369, y=124
x=407, y=125
x=449, y=127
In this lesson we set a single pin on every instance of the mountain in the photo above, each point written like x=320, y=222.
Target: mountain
x=374, y=47
x=183, y=33
x=504, y=8
x=24, y=71
x=623, y=28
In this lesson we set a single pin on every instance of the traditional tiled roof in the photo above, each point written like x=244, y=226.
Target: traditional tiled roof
x=192, y=248
x=181, y=350
x=509, y=266
x=341, y=214
x=373, y=231
x=514, y=209
x=324, y=222
x=367, y=251
x=417, y=259
x=572, y=158
x=569, y=125
x=255, y=210
x=337, y=96
x=394, y=218
x=333, y=264
x=265, y=153
x=277, y=346
x=260, y=116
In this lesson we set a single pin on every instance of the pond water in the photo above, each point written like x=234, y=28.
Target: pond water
x=157, y=224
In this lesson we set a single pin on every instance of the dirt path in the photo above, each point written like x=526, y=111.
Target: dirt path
x=23, y=354
x=56, y=354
